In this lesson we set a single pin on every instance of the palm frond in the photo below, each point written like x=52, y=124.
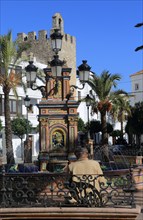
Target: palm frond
x=11, y=51
x=20, y=47
x=8, y=51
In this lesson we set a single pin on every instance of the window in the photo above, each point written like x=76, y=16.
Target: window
x=60, y=23
x=79, y=95
x=66, y=37
x=1, y=105
x=136, y=86
x=15, y=106
x=19, y=107
x=12, y=106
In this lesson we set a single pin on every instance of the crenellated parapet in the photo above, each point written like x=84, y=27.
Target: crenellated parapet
x=70, y=39
x=42, y=36
x=31, y=36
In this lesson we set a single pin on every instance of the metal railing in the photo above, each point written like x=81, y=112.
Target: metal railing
x=61, y=190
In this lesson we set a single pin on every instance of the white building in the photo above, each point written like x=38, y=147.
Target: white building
x=17, y=106
x=137, y=87
x=35, y=97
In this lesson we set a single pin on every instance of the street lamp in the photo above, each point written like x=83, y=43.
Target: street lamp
x=27, y=104
x=88, y=100
x=56, y=39
x=55, y=72
x=31, y=73
x=83, y=73
x=88, y=103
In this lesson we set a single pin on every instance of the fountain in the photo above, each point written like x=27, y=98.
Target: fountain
x=121, y=163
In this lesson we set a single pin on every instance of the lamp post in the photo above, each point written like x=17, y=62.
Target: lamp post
x=27, y=104
x=88, y=100
x=88, y=103
x=83, y=73
x=56, y=39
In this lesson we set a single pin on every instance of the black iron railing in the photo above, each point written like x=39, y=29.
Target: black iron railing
x=62, y=190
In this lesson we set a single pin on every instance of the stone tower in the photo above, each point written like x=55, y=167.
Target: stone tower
x=41, y=45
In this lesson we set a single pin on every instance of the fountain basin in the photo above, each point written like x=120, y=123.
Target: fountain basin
x=131, y=160
x=137, y=175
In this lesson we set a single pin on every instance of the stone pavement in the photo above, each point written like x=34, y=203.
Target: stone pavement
x=139, y=201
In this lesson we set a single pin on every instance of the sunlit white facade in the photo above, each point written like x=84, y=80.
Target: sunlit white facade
x=137, y=87
x=35, y=97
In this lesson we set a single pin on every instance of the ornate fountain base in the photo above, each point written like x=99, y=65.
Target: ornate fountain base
x=52, y=162
x=43, y=160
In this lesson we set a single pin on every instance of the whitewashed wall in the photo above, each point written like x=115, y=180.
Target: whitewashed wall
x=32, y=117
x=82, y=110
x=137, y=87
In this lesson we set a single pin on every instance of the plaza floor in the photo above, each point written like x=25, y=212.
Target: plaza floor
x=139, y=201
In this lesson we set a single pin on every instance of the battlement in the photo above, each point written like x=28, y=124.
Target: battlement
x=31, y=36
x=42, y=36
x=69, y=38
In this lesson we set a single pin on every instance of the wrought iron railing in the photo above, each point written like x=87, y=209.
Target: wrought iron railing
x=62, y=190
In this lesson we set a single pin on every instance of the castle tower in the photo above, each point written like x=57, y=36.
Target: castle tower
x=58, y=22
x=41, y=45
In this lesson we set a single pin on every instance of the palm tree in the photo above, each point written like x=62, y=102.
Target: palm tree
x=135, y=123
x=121, y=108
x=103, y=100
x=10, y=53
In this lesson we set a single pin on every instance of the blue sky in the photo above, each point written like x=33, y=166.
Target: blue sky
x=104, y=30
